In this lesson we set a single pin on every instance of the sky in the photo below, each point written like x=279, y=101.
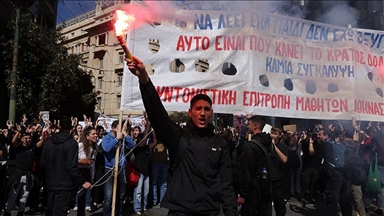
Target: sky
x=336, y=12
x=68, y=9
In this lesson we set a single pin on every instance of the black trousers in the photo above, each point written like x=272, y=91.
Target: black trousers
x=34, y=196
x=176, y=213
x=86, y=172
x=256, y=204
x=3, y=188
x=59, y=202
x=278, y=199
x=310, y=176
x=338, y=193
x=98, y=192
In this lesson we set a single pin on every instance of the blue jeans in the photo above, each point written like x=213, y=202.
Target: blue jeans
x=120, y=192
x=138, y=193
x=159, y=179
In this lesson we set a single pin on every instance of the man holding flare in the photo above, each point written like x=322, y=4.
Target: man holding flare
x=201, y=176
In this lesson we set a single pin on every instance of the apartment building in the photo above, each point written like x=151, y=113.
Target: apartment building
x=91, y=35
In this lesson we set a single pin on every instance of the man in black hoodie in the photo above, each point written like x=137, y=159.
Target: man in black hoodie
x=60, y=160
x=257, y=193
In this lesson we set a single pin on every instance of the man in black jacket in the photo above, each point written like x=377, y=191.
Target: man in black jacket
x=337, y=183
x=257, y=191
x=201, y=182
x=60, y=160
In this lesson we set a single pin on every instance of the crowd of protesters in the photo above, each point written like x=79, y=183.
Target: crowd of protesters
x=306, y=161
x=304, y=158
x=22, y=177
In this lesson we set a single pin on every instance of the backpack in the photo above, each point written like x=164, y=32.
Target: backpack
x=373, y=184
x=133, y=176
x=338, y=151
x=354, y=163
x=271, y=163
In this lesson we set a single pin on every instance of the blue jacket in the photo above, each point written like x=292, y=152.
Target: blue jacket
x=109, y=144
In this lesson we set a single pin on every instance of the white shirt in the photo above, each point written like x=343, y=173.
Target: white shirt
x=82, y=155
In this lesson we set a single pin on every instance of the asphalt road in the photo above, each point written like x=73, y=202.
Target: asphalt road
x=294, y=208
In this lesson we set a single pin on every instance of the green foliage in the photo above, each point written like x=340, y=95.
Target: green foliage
x=48, y=77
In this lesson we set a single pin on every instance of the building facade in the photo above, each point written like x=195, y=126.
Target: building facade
x=91, y=35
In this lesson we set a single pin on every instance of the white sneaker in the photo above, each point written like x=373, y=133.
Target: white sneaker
x=88, y=208
x=75, y=209
x=138, y=213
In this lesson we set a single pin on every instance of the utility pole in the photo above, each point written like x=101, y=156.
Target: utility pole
x=382, y=14
x=12, y=100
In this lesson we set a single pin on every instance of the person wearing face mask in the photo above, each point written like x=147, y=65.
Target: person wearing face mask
x=201, y=176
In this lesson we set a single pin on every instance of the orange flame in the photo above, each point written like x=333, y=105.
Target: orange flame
x=122, y=22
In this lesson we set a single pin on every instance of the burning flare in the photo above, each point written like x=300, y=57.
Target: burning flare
x=121, y=27
x=122, y=22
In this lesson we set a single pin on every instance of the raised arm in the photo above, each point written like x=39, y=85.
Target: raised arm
x=165, y=129
x=283, y=158
x=43, y=137
x=15, y=139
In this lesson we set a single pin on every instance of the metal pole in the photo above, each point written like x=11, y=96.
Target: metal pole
x=12, y=99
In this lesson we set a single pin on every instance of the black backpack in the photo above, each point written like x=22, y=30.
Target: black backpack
x=271, y=162
x=354, y=163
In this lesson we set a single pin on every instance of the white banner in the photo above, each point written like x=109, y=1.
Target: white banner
x=281, y=66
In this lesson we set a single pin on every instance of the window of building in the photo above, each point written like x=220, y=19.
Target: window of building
x=121, y=57
x=118, y=101
x=119, y=79
x=99, y=102
x=100, y=82
x=84, y=64
x=101, y=63
x=101, y=39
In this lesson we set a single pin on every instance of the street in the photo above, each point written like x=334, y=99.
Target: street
x=294, y=208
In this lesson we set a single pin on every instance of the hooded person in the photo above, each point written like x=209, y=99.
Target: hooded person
x=63, y=177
